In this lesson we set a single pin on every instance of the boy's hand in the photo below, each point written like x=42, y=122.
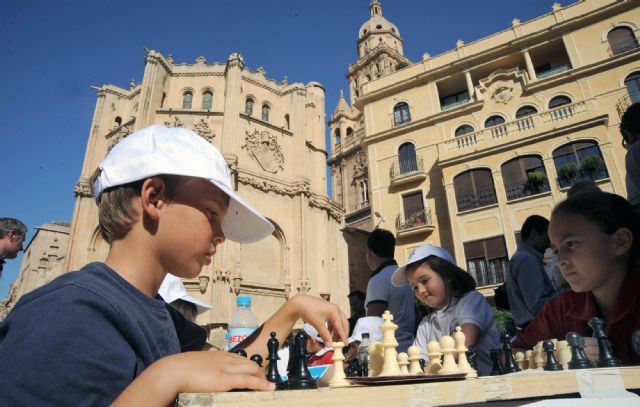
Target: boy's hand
x=316, y=312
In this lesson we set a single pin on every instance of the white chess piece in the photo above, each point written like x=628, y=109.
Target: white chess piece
x=414, y=360
x=531, y=364
x=339, y=378
x=564, y=354
x=540, y=358
x=447, y=345
x=433, y=350
x=520, y=360
x=403, y=362
x=463, y=363
x=390, y=365
x=375, y=358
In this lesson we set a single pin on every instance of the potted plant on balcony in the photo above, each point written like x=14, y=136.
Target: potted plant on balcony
x=593, y=165
x=536, y=180
x=567, y=171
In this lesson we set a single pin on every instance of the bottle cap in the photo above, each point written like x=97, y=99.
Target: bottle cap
x=243, y=300
x=365, y=335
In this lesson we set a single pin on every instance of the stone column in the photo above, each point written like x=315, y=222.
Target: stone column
x=232, y=103
x=552, y=176
x=470, y=89
x=530, y=69
x=501, y=194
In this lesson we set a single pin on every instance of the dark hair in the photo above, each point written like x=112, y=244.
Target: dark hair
x=583, y=186
x=457, y=282
x=630, y=120
x=358, y=294
x=609, y=212
x=382, y=243
x=534, y=222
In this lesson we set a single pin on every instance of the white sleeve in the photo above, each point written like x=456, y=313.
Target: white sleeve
x=474, y=309
x=378, y=289
x=421, y=339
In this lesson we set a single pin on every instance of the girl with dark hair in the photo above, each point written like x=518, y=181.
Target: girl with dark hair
x=596, y=237
x=451, y=300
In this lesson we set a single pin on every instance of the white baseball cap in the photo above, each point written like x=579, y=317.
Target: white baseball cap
x=173, y=289
x=157, y=150
x=312, y=332
x=399, y=277
x=370, y=325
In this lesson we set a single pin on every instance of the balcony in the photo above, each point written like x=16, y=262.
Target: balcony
x=481, y=198
x=406, y=171
x=582, y=174
x=551, y=72
x=623, y=46
x=525, y=188
x=627, y=100
x=451, y=105
x=414, y=224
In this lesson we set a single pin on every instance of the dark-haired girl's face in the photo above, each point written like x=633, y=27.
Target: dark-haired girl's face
x=428, y=286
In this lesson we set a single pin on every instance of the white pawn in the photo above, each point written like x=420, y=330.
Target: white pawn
x=520, y=360
x=414, y=360
x=390, y=365
x=403, y=362
x=375, y=358
x=433, y=350
x=564, y=354
x=338, y=379
x=447, y=345
x=530, y=360
x=463, y=363
x=540, y=357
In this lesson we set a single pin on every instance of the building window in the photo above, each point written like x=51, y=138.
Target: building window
x=493, y=121
x=579, y=160
x=401, y=113
x=287, y=121
x=207, y=100
x=632, y=83
x=559, y=101
x=349, y=132
x=187, y=98
x=457, y=99
x=474, y=189
x=414, y=214
x=248, y=107
x=265, y=113
x=408, y=163
x=622, y=39
x=524, y=176
x=525, y=111
x=364, y=193
x=487, y=260
x=338, y=136
x=464, y=129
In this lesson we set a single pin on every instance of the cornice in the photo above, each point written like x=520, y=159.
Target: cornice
x=112, y=90
x=291, y=89
x=266, y=124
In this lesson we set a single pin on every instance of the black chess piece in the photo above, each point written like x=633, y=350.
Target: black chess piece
x=256, y=358
x=552, y=364
x=509, y=363
x=579, y=359
x=472, y=356
x=272, y=370
x=299, y=376
x=239, y=351
x=605, y=355
x=495, y=362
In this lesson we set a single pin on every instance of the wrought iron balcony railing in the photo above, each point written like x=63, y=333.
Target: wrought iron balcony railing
x=553, y=71
x=525, y=188
x=405, y=168
x=481, y=198
x=413, y=220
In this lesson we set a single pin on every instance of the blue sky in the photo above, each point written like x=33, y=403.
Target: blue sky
x=54, y=51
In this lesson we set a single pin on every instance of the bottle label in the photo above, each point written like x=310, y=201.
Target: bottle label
x=237, y=335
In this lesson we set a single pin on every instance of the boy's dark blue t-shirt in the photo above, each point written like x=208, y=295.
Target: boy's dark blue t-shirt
x=81, y=339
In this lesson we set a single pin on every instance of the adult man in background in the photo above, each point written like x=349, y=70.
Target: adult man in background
x=356, y=303
x=528, y=285
x=381, y=294
x=12, y=235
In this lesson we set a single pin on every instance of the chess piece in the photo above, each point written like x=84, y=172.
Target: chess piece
x=472, y=357
x=256, y=358
x=579, y=359
x=375, y=358
x=520, y=361
x=605, y=355
x=635, y=341
x=239, y=351
x=509, y=365
x=564, y=354
x=414, y=360
x=299, y=376
x=447, y=345
x=552, y=364
x=338, y=379
x=494, y=354
x=272, y=370
x=390, y=365
x=531, y=363
x=463, y=364
x=539, y=356
x=403, y=362
x=435, y=364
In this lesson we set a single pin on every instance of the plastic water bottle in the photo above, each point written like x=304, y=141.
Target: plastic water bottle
x=243, y=322
x=363, y=353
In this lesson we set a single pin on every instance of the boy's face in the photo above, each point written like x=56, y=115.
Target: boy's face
x=190, y=227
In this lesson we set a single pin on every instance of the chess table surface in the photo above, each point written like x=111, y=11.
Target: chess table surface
x=537, y=384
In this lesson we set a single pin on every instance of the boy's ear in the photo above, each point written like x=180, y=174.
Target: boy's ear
x=622, y=240
x=152, y=197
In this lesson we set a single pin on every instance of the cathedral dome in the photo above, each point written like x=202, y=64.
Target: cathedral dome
x=377, y=23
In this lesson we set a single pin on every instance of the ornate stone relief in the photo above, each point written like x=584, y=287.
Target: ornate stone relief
x=176, y=122
x=304, y=286
x=360, y=165
x=502, y=85
x=118, y=134
x=264, y=148
x=203, y=283
x=202, y=128
x=503, y=93
x=82, y=189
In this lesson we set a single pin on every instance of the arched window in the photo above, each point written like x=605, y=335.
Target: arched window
x=265, y=112
x=287, y=121
x=207, y=100
x=525, y=111
x=474, y=189
x=493, y=121
x=524, y=176
x=349, y=132
x=338, y=136
x=632, y=82
x=579, y=160
x=559, y=101
x=464, y=129
x=187, y=98
x=407, y=156
x=401, y=113
x=364, y=193
x=248, y=107
x=622, y=39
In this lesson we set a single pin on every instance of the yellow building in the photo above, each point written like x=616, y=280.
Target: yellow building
x=462, y=147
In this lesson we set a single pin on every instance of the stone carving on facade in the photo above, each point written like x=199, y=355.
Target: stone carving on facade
x=117, y=135
x=203, y=283
x=175, y=123
x=202, y=128
x=360, y=164
x=264, y=148
x=83, y=189
x=281, y=189
x=222, y=275
x=502, y=85
x=503, y=93
x=304, y=286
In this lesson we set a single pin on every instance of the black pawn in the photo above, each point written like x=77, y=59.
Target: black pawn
x=509, y=365
x=605, y=355
x=552, y=364
x=495, y=362
x=256, y=358
x=272, y=370
x=239, y=351
x=299, y=376
x=472, y=356
x=579, y=359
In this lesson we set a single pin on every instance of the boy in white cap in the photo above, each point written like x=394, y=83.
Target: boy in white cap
x=165, y=203
x=320, y=354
